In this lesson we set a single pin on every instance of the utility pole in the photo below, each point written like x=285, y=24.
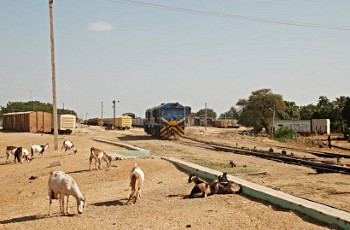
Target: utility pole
x=273, y=121
x=114, y=112
x=206, y=117
x=54, y=105
x=101, y=110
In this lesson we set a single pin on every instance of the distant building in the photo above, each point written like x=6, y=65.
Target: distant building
x=321, y=126
x=315, y=126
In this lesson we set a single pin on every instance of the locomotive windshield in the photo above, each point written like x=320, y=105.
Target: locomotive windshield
x=166, y=112
x=179, y=112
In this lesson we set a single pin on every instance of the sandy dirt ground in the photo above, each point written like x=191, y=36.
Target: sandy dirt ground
x=165, y=204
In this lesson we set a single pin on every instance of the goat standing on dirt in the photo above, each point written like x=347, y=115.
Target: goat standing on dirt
x=98, y=154
x=136, y=181
x=25, y=154
x=10, y=150
x=18, y=155
x=68, y=146
x=38, y=149
x=61, y=185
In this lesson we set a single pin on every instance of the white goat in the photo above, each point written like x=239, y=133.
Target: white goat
x=38, y=149
x=61, y=185
x=68, y=146
x=25, y=155
x=136, y=181
x=10, y=150
x=98, y=155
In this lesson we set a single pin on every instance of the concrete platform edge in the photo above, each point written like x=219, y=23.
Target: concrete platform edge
x=318, y=211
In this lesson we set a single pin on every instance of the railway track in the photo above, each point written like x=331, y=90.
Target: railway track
x=319, y=166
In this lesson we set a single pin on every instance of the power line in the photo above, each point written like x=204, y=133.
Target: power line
x=231, y=16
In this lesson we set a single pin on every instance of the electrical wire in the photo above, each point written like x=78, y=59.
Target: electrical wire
x=231, y=16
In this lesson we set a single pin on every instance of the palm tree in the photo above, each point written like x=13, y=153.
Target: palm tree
x=339, y=108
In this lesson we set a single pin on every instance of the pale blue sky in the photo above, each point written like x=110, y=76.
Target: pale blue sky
x=142, y=56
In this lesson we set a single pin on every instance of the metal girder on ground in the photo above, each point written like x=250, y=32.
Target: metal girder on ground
x=131, y=153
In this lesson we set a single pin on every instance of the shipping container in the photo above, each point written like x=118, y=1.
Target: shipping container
x=121, y=122
x=228, y=123
x=66, y=123
x=137, y=122
x=31, y=121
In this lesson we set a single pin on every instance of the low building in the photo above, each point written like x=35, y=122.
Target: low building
x=315, y=126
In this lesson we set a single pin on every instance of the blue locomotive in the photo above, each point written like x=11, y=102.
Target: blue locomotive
x=166, y=120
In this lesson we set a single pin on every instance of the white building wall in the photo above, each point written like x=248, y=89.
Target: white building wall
x=297, y=125
x=321, y=126
x=316, y=126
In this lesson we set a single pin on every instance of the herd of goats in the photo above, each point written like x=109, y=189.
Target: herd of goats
x=62, y=185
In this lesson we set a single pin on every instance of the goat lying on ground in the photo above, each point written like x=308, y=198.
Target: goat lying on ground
x=195, y=179
x=68, y=146
x=136, y=181
x=201, y=188
x=10, y=150
x=38, y=149
x=224, y=186
x=61, y=185
x=98, y=155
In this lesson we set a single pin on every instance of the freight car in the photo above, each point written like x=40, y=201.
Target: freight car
x=66, y=123
x=166, y=120
x=121, y=122
x=137, y=122
x=30, y=121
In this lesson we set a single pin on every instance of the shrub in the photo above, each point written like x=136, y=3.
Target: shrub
x=284, y=133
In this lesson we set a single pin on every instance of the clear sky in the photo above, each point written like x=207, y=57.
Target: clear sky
x=187, y=51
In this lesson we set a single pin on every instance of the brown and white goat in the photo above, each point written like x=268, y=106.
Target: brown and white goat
x=68, y=146
x=201, y=188
x=136, y=181
x=10, y=150
x=98, y=155
x=61, y=185
x=38, y=149
x=224, y=186
x=195, y=179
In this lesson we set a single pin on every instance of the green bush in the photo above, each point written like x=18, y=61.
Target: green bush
x=284, y=133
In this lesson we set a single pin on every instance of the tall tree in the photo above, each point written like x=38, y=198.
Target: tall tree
x=339, y=106
x=210, y=113
x=259, y=110
x=292, y=111
x=307, y=112
x=231, y=114
x=325, y=108
x=31, y=106
x=346, y=112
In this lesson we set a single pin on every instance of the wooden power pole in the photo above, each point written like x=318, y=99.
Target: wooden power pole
x=206, y=117
x=54, y=104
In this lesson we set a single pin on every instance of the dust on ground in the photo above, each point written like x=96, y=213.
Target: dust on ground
x=164, y=204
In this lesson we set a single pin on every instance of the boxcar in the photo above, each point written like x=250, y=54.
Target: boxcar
x=120, y=122
x=166, y=120
x=137, y=122
x=31, y=121
x=66, y=123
